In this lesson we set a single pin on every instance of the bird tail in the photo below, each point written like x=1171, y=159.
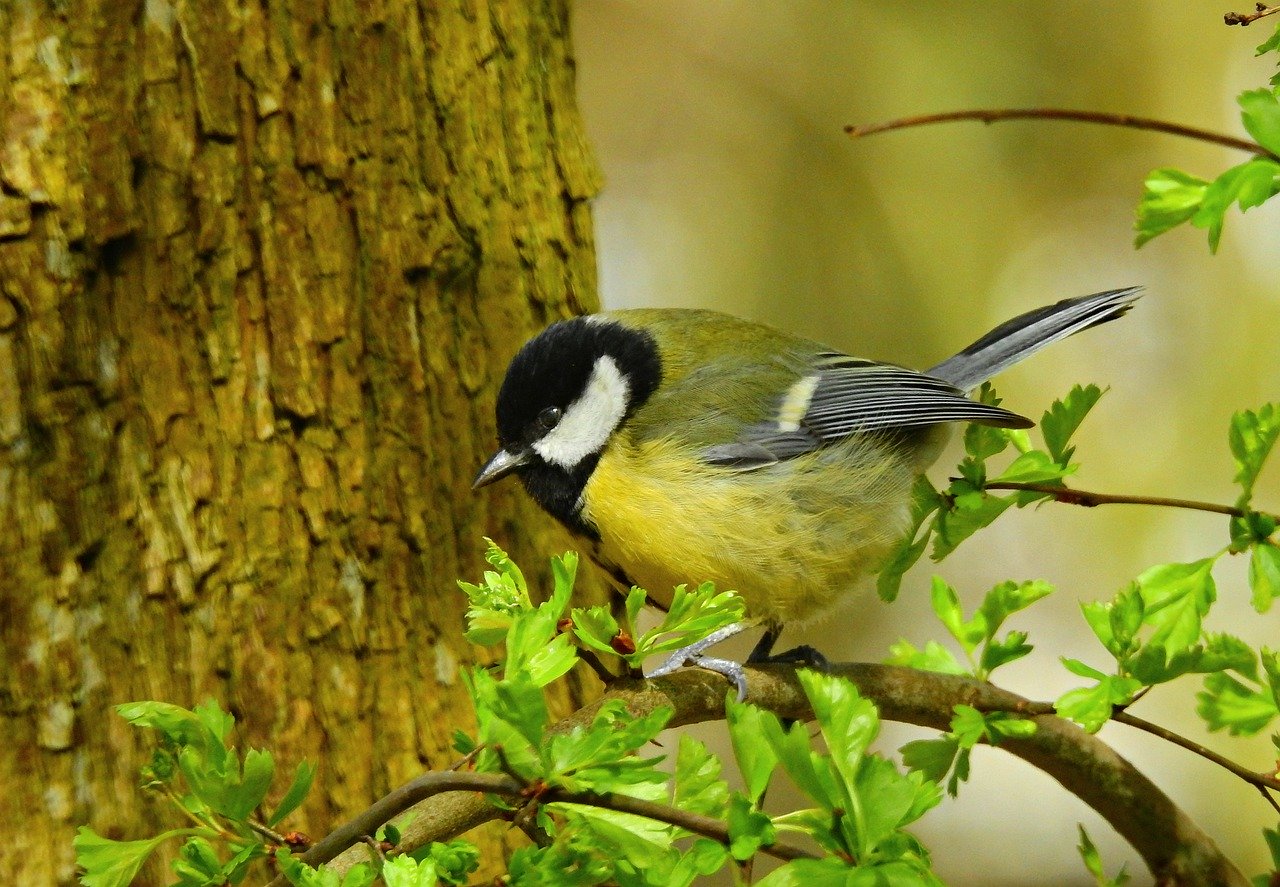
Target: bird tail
x=1027, y=333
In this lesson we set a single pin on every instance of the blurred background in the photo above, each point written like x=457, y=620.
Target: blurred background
x=730, y=185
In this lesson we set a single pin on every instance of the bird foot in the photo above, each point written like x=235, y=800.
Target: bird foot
x=693, y=655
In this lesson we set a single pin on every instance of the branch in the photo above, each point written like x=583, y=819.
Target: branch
x=995, y=115
x=1175, y=850
x=1070, y=496
x=1261, y=781
x=438, y=782
x=1247, y=18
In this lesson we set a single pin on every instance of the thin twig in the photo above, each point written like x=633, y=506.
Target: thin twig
x=1266, y=784
x=431, y=784
x=267, y=832
x=1247, y=18
x=1071, y=496
x=995, y=115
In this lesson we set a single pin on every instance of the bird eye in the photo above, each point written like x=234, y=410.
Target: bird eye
x=550, y=418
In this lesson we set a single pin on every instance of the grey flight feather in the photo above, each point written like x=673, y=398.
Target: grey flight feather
x=1028, y=333
x=853, y=396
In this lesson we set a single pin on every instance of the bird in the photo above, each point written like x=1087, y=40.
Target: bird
x=686, y=445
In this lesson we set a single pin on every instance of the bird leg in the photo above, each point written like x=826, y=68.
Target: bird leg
x=693, y=655
x=802, y=655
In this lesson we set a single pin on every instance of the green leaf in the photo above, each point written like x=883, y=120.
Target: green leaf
x=1169, y=198
x=749, y=829
x=1223, y=652
x=246, y=793
x=405, y=871
x=826, y=872
x=1251, y=436
x=1063, y=418
x=756, y=759
x=1008, y=598
x=1271, y=44
x=596, y=628
x=981, y=442
x=632, y=843
x=506, y=720
x=1249, y=184
x=925, y=502
x=1011, y=647
x=946, y=606
x=296, y=793
x=972, y=510
x=1260, y=114
x=692, y=616
x=1175, y=598
x=1033, y=467
x=698, y=787
x=1093, y=862
x=598, y=758
x=1264, y=575
x=179, y=725
x=1226, y=703
x=1091, y=707
x=932, y=757
x=109, y=863
x=848, y=721
x=934, y=657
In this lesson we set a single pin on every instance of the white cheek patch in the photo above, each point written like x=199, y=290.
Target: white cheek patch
x=590, y=419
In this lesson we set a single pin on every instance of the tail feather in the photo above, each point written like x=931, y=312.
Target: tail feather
x=1027, y=333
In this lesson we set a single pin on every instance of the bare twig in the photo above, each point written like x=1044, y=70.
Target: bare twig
x=995, y=115
x=1172, y=846
x=430, y=785
x=267, y=833
x=1070, y=496
x=1247, y=18
x=1264, y=783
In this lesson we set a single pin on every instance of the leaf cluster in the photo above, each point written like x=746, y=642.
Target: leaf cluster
x=1172, y=197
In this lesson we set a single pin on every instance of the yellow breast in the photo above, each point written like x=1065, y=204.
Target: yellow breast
x=790, y=538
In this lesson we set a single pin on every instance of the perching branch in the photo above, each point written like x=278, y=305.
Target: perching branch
x=1175, y=850
x=1248, y=18
x=429, y=785
x=995, y=115
x=1070, y=496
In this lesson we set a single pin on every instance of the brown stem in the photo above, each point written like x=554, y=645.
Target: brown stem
x=1071, y=496
x=1175, y=850
x=1248, y=18
x=1266, y=784
x=430, y=785
x=995, y=115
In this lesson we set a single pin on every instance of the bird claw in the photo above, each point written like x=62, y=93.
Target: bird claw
x=727, y=667
x=693, y=655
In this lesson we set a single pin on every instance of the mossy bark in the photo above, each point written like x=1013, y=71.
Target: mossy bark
x=262, y=264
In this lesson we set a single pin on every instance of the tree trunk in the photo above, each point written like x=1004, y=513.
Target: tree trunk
x=262, y=265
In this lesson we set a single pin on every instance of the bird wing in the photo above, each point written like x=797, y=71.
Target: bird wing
x=845, y=396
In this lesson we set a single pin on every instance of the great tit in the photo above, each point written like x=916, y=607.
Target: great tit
x=687, y=445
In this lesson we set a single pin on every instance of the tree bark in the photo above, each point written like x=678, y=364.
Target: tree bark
x=262, y=265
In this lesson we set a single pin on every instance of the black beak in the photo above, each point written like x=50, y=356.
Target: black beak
x=500, y=465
